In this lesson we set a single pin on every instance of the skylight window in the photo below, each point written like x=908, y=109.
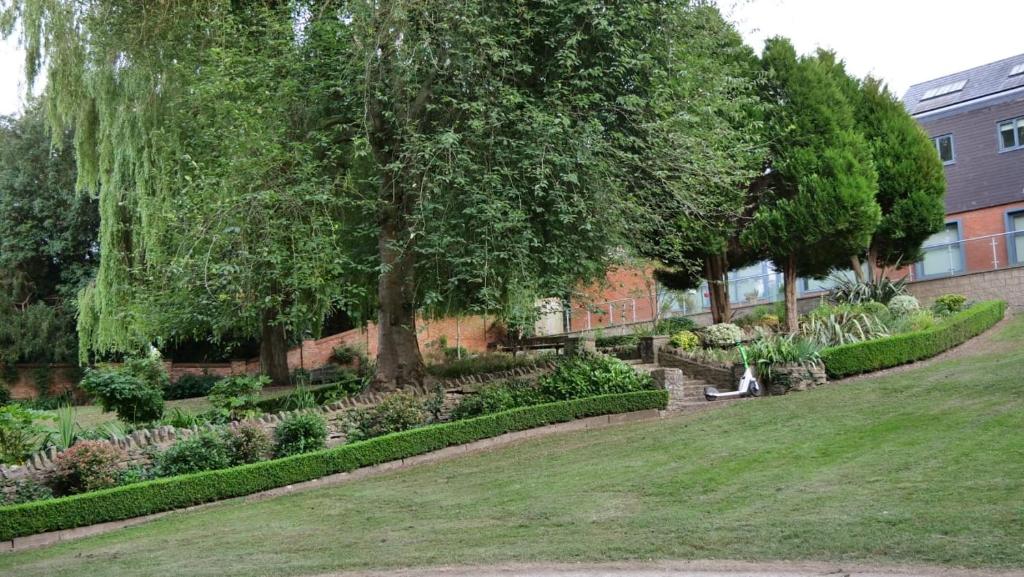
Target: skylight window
x=1017, y=70
x=944, y=89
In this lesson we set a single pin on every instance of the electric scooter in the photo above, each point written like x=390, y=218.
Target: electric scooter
x=749, y=387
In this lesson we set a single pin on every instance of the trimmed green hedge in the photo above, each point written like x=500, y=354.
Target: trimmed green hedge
x=187, y=490
x=867, y=356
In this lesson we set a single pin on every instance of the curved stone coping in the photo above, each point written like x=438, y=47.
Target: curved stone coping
x=598, y=422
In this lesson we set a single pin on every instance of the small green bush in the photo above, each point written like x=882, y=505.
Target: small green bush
x=188, y=490
x=685, y=340
x=673, y=325
x=237, y=397
x=5, y=395
x=20, y=433
x=877, y=310
x=86, y=466
x=851, y=291
x=205, y=451
x=134, y=400
x=903, y=305
x=867, y=356
x=397, y=412
x=190, y=386
x=948, y=304
x=617, y=341
x=302, y=433
x=773, y=350
x=498, y=397
x=149, y=369
x=916, y=321
x=247, y=443
x=482, y=364
x=589, y=376
x=722, y=335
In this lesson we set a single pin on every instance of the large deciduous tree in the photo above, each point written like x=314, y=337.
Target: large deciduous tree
x=47, y=240
x=821, y=206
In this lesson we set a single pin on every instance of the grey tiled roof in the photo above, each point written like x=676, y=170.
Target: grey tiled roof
x=981, y=81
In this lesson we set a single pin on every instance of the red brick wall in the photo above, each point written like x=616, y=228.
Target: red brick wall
x=978, y=255
x=623, y=288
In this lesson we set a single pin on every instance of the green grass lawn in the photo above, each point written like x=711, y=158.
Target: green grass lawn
x=923, y=466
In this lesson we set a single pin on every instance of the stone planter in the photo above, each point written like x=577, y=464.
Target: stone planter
x=786, y=378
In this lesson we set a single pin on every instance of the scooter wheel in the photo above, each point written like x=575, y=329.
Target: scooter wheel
x=755, y=389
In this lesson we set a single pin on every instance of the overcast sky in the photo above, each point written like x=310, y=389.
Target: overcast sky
x=901, y=41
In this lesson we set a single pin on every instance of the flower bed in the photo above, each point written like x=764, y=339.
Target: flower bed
x=882, y=353
x=183, y=491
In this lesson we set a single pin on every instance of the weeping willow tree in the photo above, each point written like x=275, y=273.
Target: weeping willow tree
x=255, y=160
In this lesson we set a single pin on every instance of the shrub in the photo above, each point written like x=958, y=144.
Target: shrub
x=722, y=335
x=397, y=412
x=685, y=340
x=498, y=397
x=132, y=399
x=5, y=395
x=190, y=386
x=949, y=304
x=248, y=443
x=589, y=376
x=237, y=397
x=903, y=305
x=877, y=310
x=763, y=315
x=20, y=433
x=829, y=325
x=179, y=492
x=774, y=350
x=486, y=363
x=134, y=474
x=896, y=350
x=86, y=466
x=148, y=369
x=673, y=325
x=300, y=433
x=181, y=419
x=851, y=291
x=300, y=398
x=201, y=452
x=344, y=354
x=630, y=340
x=915, y=321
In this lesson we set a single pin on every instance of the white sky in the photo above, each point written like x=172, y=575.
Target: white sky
x=901, y=41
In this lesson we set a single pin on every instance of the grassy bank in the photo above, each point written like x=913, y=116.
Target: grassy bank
x=922, y=466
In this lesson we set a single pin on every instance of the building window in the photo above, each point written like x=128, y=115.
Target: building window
x=943, y=253
x=944, y=90
x=944, y=144
x=1011, y=134
x=1015, y=226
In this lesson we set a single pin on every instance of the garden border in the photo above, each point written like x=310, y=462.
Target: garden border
x=44, y=522
x=887, y=352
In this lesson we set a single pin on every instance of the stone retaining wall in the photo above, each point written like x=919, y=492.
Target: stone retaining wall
x=720, y=376
x=787, y=378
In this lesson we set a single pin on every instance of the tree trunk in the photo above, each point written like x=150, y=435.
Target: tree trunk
x=717, y=270
x=872, y=262
x=789, y=280
x=858, y=269
x=273, y=349
x=399, y=362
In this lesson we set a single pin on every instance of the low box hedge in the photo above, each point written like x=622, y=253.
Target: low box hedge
x=186, y=490
x=873, y=355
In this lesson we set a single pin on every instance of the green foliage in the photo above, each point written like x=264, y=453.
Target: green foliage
x=247, y=443
x=134, y=400
x=851, y=291
x=832, y=325
x=344, y=354
x=722, y=335
x=766, y=316
x=903, y=305
x=397, y=412
x=673, y=325
x=149, y=369
x=86, y=466
x=20, y=433
x=65, y=430
x=42, y=378
x=47, y=240
x=5, y=395
x=773, y=350
x=300, y=398
x=237, y=397
x=630, y=340
x=485, y=363
x=302, y=433
x=189, y=386
x=685, y=340
x=174, y=493
x=181, y=419
x=25, y=491
x=204, y=451
x=867, y=356
x=948, y=304
x=591, y=375
x=497, y=397
x=918, y=320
